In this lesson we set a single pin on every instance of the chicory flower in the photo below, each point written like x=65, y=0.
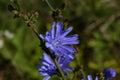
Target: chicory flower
x=58, y=40
x=47, y=67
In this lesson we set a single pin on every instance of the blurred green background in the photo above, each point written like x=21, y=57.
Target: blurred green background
x=96, y=21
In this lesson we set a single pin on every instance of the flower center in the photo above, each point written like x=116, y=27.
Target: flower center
x=56, y=42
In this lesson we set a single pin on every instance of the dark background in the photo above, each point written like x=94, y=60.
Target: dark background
x=96, y=21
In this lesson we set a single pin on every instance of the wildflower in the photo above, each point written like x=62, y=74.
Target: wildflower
x=89, y=77
x=109, y=73
x=47, y=67
x=59, y=41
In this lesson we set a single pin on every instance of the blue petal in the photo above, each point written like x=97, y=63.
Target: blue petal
x=90, y=77
x=64, y=60
x=59, y=28
x=96, y=78
x=109, y=73
x=63, y=51
x=48, y=36
x=46, y=78
x=46, y=63
x=65, y=73
x=53, y=30
x=84, y=78
x=41, y=67
x=67, y=68
x=69, y=48
x=73, y=39
x=47, y=44
x=57, y=51
x=67, y=31
x=70, y=42
x=113, y=73
x=43, y=62
x=67, y=60
x=61, y=60
x=47, y=58
x=42, y=36
x=74, y=36
x=71, y=57
x=43, y=73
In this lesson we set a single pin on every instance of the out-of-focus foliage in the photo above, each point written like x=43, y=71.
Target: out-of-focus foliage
x=96, y=21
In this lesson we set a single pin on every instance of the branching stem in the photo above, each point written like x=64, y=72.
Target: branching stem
x=49, y=5
x=59, y=69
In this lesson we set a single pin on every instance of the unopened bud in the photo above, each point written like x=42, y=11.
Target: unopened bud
x=19, y=14
x=29, y=24
x=63, y=6
x=35, y=14
x=25, y=16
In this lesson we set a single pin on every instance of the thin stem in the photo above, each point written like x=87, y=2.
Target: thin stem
x=36, y=33
x=59, y=69
x=74, y=76
x=49, y=5
x=78, y=64
x=41, y=41
x=81, y=70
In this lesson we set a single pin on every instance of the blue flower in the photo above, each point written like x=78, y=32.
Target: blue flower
x=59, y=41
x=109, y=73
x=89, y=77
x=47, y=67
x=63, y=63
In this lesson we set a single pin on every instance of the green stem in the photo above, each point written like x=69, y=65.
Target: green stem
x=49, y=5
x=78, y=64
x=59, y=69
x=42, y=43
x=36, y=33
x=74, y=76
x=81, y=70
